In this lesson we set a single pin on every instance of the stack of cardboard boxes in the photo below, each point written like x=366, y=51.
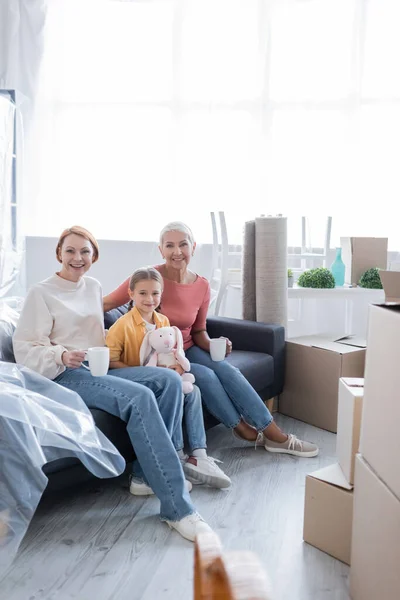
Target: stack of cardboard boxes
x=362, y=527
x=375, y=555
x=328, y=509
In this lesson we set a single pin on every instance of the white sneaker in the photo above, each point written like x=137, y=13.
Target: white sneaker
x=205, y=470
x=292, y=446
x=138, y=487
x=190, y=526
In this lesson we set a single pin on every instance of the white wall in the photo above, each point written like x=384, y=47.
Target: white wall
x=118, y=260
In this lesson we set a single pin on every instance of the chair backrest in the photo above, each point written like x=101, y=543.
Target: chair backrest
x=327, y=237
x=220, y=261
x=229, y=575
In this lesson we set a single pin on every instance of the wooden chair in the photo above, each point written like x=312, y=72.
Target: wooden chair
x=223, y=276
x=229, y=575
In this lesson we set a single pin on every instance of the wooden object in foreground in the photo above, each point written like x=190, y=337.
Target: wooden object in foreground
x=222, y=575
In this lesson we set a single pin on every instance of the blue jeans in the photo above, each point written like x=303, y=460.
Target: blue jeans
x=226, y=393
x=149, y=400
x=194, y=422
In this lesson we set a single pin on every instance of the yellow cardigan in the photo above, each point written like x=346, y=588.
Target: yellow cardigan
x=126, y=336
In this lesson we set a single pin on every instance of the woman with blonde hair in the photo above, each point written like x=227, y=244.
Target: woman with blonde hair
x=61, y=318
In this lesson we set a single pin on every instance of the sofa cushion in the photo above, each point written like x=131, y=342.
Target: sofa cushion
x=257, y=367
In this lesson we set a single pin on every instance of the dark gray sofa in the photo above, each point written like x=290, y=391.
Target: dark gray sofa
x=258, y=351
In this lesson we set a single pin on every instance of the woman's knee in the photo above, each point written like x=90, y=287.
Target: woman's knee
x=223, y=367
x=203, y=374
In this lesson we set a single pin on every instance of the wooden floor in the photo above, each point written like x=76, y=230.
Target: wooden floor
x=102, y=543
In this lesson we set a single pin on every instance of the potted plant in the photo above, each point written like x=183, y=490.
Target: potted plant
x=371, y=279
x=317, y=278
x=290, y=278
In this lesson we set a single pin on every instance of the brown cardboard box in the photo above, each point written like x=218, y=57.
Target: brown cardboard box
x=362, y=253
x=391, y=285
x=375, y=554
x=351, y=393
x=328, y=512
x=380, y=438
x=314, y=366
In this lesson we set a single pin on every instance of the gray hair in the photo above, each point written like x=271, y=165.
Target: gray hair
x=177, y=226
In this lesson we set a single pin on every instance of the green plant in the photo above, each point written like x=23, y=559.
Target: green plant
x=371, y=279
x=317, y=278
x=289, y=273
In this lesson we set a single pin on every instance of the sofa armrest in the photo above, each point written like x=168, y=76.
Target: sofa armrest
x=254, y=337
x=248, y=335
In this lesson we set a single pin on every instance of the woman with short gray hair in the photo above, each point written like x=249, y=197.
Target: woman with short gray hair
x=225, y=391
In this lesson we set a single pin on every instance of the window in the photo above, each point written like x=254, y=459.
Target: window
x=167, y=109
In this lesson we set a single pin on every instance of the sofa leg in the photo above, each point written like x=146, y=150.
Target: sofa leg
x=272, y=404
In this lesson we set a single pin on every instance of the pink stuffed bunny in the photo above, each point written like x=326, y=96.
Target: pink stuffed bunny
x=163, y=347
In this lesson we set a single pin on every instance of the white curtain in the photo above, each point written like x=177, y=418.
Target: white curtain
x=21, y=45
x=166, y=109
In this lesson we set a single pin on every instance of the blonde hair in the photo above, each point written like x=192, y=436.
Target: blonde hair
x=177, y=226
x=144, y=274
x=78, y=230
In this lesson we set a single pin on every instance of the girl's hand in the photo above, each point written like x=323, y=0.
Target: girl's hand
x=73, y=359
x=177, y=368
x=228, y=345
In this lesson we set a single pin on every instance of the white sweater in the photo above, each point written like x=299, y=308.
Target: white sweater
x=58, y=315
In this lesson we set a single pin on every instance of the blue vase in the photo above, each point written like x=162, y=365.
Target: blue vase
x=338, y=268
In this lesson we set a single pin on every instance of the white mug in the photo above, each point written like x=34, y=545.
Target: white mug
x=218, y=349
x=99, y=360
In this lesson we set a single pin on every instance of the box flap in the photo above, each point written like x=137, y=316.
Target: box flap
x=354, y=382
x=352, y=340
x=393, y=306
x=391, y=285
x=340, y=343
x=333, y=475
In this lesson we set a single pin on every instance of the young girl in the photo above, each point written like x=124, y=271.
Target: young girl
x=124, y=340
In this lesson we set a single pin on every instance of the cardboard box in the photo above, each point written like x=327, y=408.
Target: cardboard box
x=314, y=366
x=380, y=438
x=391, y=285
x=375, y=555
x=351, y=393
x=328, y=512
x=362, y=253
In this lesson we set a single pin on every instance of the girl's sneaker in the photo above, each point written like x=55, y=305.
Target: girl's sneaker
x=205, y=470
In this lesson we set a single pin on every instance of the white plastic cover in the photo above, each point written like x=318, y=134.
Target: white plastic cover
x=11, y=240
x=40, y=421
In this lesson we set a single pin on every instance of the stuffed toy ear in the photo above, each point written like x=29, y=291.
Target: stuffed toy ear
x=180, y=354
x=145, y=352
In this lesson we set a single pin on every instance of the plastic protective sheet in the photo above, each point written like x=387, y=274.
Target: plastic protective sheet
x=11, y=242
x=8, y=322
x=41, y=421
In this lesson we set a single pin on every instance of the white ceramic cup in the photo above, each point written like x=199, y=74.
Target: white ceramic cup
x=218, y=349
x=99, y=360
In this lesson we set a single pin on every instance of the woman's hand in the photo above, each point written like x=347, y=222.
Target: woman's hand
x=177, y=368
x=228, y=345
x=73, y=359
